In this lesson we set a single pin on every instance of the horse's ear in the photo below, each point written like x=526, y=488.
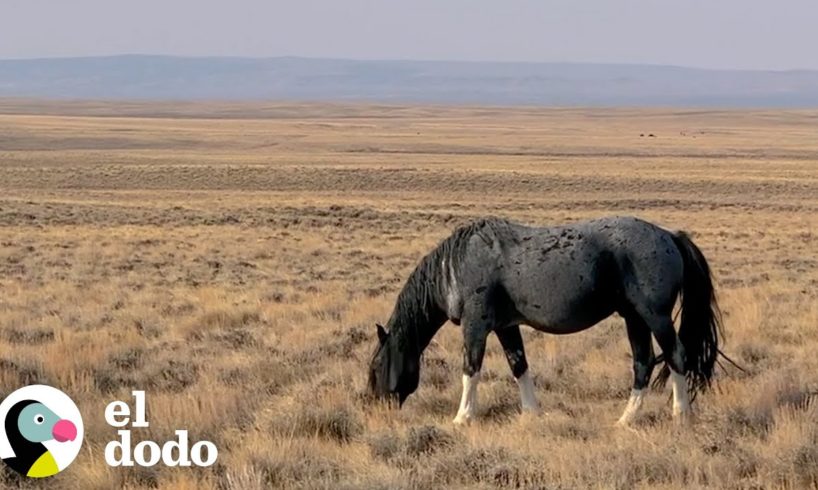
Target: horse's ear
x=381, y=333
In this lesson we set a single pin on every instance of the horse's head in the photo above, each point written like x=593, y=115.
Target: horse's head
x=393, y=373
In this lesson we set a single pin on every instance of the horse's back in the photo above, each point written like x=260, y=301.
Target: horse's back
x=566, y=278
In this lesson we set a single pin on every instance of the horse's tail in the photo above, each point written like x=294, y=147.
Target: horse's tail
x=700, y=329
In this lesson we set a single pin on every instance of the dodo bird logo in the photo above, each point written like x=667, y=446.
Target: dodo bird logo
x=41, y=431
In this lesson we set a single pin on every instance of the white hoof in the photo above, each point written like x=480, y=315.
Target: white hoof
x=631, y=409
x=683, y=418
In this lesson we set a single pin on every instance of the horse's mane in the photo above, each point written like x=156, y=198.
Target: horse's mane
x=417, y=306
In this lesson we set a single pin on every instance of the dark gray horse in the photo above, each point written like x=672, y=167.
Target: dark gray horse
x=493, y=275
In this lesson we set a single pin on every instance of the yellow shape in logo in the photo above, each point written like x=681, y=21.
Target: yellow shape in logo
x=44, y=466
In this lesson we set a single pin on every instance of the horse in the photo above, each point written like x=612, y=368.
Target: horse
x=492, y=275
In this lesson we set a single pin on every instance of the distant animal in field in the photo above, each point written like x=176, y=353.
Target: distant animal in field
x=493, y=275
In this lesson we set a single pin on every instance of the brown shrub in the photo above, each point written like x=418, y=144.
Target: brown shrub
x=338, y=424
x=427, y=439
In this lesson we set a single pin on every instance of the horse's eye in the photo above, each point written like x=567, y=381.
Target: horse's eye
x=39, y=419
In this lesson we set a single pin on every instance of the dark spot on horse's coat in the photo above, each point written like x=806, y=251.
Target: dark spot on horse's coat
x=537, y=306
x=484, y=317
x=480, y=289
x=526, y=238
x=550, y=247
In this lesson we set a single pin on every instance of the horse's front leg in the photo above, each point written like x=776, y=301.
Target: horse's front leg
x=474, y=347
x=512, y=341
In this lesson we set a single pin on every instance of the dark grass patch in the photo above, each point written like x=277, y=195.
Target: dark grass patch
x=236, y=338
x=165, y=375
x=128, y=359
x=28, y=335
x=148, y=329
x=27, y=372
x=301, y=468
x=427, y=439
x=341, y=343
x=140, y=477
x=384, y=446
x=336, y=424
x=434, y=403
x=267, y=376
x=494, y=467
x=501, y=410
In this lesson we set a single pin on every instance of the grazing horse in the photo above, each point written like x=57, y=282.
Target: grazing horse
x=493, y=275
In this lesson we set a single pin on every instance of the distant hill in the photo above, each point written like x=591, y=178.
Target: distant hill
x=551, y=84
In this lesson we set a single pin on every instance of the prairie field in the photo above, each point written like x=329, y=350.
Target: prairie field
x=231, y=259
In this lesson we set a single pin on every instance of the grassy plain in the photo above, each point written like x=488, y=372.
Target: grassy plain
x=232, y=259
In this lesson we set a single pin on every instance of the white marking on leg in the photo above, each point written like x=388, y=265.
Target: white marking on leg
x=632, y=408
x=468, y=401
x=681, y=401
x=527, y=398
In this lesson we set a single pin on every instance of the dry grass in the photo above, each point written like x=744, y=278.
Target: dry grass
x=232, y=260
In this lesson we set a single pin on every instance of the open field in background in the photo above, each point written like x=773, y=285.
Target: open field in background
x=232, y=259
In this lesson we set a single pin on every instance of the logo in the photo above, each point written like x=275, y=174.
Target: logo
x=177, y=452
x=41, y=431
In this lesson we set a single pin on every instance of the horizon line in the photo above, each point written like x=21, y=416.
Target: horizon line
x=406, y=60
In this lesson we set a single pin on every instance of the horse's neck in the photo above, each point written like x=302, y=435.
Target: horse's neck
x=428, y=330
x=418, y=336
x=418, y=316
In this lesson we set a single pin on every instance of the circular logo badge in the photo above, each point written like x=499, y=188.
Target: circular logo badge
x=41, y=431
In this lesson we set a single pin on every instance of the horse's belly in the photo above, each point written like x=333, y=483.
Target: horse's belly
x=561, y=287
x=565, y=324
x=567, y=310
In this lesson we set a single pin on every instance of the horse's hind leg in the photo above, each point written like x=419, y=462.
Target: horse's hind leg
x=512, y=342
x=643, y=358
x=674, y=355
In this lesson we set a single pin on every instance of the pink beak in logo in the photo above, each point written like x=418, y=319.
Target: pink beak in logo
x=64, y=430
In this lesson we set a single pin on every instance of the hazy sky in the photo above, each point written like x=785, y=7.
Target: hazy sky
x=763, y=34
